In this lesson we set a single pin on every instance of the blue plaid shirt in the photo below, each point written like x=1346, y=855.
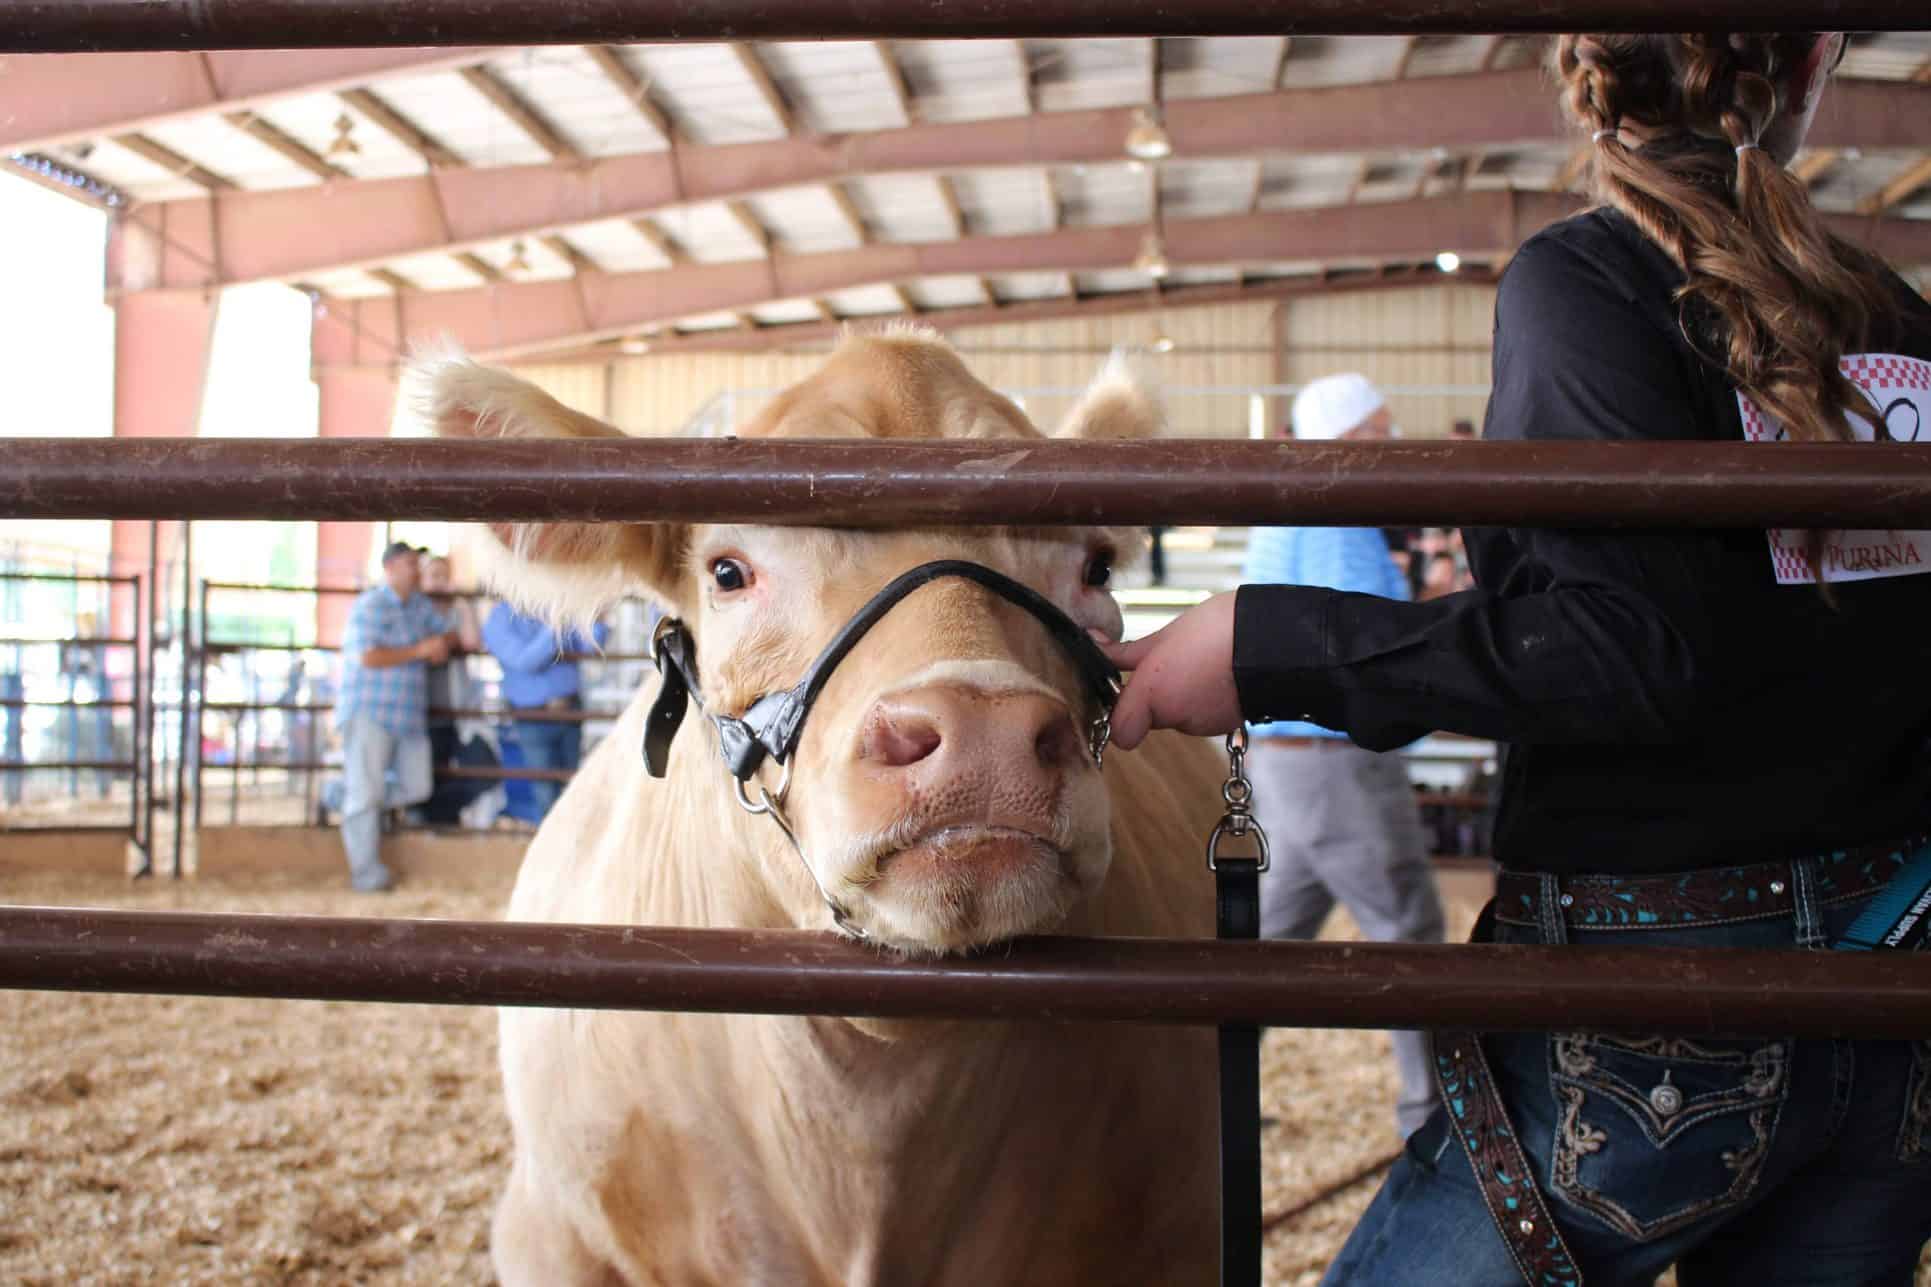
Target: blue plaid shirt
x=395, y=697
x=1336, y=558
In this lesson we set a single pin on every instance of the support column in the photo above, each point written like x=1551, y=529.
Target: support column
x=162, y=342
x=356, y=403
x=353, y=350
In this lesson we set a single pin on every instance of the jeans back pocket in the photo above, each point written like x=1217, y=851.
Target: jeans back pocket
x=1656, y=1133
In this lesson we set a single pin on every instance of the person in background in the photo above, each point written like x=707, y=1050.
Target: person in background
x=1157, y=555
x=1401, y=548
x=13, y=746
x=1342, y=822
x=540, y=674
x=449, y=689
x=394, y=635
x=1440, y=576
x=90, y=723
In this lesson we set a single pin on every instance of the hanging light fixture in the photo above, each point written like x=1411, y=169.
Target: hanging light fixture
x=1448, y=261
x=1146, y=139
x=636, y=345
x=519, y=258
x=1152, y=259
x=1163, y=343
x=344, y=143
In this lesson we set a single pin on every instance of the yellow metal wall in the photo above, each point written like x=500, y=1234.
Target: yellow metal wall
x=1425, y=336
x=1220, y=346
x=1428, y=336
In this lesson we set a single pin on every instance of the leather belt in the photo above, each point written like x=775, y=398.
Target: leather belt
x=1713, y=896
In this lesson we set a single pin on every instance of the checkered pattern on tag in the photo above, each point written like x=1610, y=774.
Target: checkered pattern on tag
x=1851, y=556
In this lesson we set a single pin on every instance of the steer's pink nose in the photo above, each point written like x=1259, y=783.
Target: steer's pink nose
x=950, y=727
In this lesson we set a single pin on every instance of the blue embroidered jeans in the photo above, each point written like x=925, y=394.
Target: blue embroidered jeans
x=1765, y=1162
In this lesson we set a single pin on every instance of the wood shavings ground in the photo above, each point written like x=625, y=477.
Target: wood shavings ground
x=182, y=1140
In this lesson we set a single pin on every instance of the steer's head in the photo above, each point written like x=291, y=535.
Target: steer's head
x=943, y=790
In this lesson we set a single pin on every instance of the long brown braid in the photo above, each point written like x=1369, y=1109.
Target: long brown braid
x=1782, y=298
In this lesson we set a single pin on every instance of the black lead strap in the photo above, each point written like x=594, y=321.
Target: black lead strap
x=1237, y=894
x=1237, y=908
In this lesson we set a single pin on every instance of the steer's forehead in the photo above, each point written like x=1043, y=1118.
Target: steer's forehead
x=898, y=385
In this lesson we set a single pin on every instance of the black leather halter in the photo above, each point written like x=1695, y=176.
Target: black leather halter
x=772, y=725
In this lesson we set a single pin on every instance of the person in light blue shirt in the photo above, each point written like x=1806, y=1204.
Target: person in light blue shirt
x=394, y=635
x=540, y=674
x=1342, y=822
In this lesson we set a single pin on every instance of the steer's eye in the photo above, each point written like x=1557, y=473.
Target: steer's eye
x=729, y=574
x=1099, y=569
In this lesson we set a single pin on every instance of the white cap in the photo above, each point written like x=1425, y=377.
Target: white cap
x=1334, y=404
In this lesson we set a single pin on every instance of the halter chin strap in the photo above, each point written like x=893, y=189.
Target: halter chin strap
x=770, y=728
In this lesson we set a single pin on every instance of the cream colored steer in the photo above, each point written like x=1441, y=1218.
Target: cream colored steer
x=944, y=794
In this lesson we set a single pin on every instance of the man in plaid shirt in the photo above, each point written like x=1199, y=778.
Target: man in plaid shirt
x=394, y=635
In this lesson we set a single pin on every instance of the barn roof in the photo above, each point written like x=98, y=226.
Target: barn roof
x=756, y=188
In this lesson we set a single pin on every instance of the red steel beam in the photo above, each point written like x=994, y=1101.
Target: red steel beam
x=57, y=25
x=62, y=97
x=291, y=233
x=517, y=318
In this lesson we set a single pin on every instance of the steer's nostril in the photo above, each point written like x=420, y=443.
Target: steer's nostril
x=1058, y=743
x=897, y=741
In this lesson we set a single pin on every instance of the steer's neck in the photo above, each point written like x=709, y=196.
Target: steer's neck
x=990, y=1135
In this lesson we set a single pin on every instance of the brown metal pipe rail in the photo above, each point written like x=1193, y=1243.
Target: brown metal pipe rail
x=68, y=578
x=219, y=648
x=1168, y=981
x=29, y=26
x=480, y=773
x=100, y=641
x=890, y=485
x=526, y=714
x=38, y=703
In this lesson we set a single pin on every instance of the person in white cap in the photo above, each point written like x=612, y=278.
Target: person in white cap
x=1342, y=822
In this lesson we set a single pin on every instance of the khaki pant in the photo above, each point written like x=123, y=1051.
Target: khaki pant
x=1342, y=826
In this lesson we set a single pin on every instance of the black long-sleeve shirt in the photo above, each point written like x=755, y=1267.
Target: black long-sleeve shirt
x=1666, y=703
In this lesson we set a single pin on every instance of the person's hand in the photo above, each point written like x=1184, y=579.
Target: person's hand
x=1183, y=676
x=434, y=650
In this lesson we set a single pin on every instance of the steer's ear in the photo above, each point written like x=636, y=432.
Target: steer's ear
x=565, y=571
x=1120, y=403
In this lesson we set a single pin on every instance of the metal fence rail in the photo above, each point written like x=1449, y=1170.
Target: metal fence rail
x=90, y=747
x=1167, y=981
x=887, y=485
x=71, y=25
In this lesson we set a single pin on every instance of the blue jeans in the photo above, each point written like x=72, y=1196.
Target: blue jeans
x=1779, y=1162
x=549, y=746
x=369, y=751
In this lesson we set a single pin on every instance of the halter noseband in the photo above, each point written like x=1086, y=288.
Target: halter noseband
x=771, y=727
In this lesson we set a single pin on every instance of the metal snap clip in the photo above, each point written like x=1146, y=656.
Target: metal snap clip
x=1527, y=1227
x=1666, y=1099
x=1776, y=887
x=1567, y=900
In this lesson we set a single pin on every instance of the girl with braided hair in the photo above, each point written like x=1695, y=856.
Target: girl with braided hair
x=1715, y=737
